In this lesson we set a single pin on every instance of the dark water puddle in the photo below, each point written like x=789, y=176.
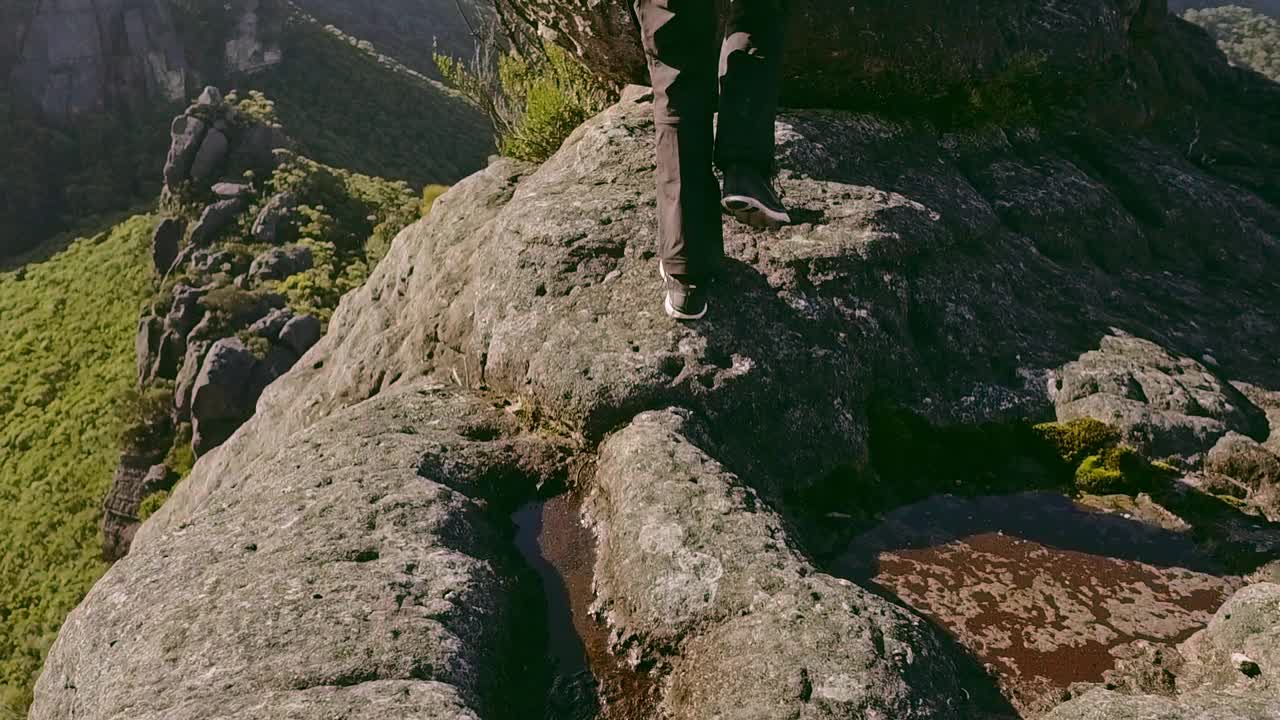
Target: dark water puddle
x=589, y=681
x=1042, y=591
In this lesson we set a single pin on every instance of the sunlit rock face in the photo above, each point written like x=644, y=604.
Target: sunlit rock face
x=349, y=550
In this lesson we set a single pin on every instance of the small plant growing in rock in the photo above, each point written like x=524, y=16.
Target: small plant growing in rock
x=1078, y=439
x=1116, y=470
x=430, y=194
x=152, y=503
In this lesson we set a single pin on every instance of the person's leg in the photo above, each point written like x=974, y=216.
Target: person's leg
x=750, y=78
x=679, y=40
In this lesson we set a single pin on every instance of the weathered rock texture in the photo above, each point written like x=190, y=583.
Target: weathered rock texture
x=695, y=572
x=955, y=273
x=1230, y=671
x=400, y=600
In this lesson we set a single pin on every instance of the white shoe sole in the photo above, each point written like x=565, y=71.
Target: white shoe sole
x=751, y=211
x=671, y=311
x=676, y=314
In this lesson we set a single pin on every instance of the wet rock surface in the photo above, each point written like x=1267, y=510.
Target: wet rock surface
x=930, y=269
x=1045, y=592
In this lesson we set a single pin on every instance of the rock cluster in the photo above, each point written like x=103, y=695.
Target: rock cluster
x=347, y=550
x=191, y=340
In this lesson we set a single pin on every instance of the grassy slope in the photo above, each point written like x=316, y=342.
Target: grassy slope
x=348, y=110
x=66, y=356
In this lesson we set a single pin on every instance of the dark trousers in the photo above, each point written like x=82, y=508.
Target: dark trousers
x=680, y=42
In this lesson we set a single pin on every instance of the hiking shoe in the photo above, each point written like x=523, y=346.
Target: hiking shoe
x=684, y=300
x=749, y=197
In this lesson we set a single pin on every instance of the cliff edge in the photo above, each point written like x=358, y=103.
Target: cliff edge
x=349, y=551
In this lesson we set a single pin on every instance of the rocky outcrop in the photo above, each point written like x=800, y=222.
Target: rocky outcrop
x=954, y=272
x=1165, y=405
x=165, y=244
x=212, y=140
x=696, y=573
x=402, y=599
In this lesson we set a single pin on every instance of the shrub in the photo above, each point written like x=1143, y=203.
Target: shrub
x=1117, y=470
x=1075, y=440
x=181, y=457
x=255, y=106
x=430, y=194
x=152, y=503
x=535, y=98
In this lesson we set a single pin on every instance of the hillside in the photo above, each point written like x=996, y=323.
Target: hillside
x=992, y=431
x=1249, y=38
x=66, y=339
x=72, y=156
x=407, y=30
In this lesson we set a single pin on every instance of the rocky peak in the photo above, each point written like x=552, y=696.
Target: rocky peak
x=348, y=550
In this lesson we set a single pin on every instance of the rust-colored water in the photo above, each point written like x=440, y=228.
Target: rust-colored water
x=553, y=540
x=1040, y=590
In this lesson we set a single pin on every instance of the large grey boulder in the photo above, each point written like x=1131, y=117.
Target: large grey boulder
x=694, y=570
x=221, y=397
x=215, y=218
x=210, y=158
x=1162, y=403
x=301, y=333
x=266, y=226
x=1254, y=467
x=185, y=383
x=186, y=135
x=281, y=262
x=375, y=580
x=164, y=244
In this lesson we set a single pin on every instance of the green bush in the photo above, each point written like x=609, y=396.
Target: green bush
x=1117, y=470
x=66, y=363
x=152, y=503
x=430, y=194
x=1075, y=440
x=535, y=99
x=181, y=457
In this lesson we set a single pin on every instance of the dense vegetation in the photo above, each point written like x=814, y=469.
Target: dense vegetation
x=1268, y=7
x=534, y=98
x=66, y=360
x=1248, y=37
x=346, y=219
